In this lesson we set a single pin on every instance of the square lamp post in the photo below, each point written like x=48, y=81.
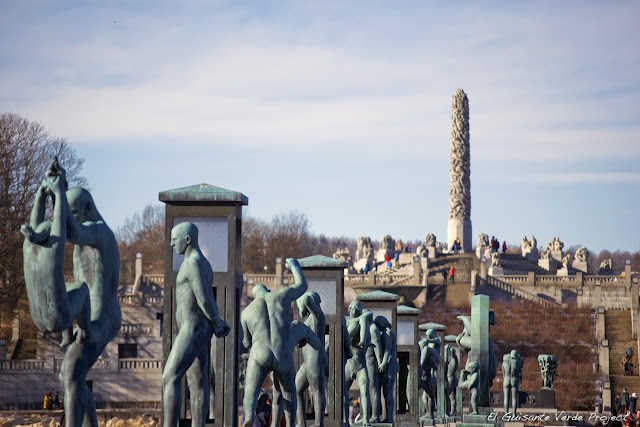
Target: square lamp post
x=326, y=277
x=409, y=358
x=441, y=407
x=218, y=215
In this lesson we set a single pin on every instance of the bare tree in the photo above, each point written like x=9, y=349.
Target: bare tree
x=26, y=148
x=143, y=232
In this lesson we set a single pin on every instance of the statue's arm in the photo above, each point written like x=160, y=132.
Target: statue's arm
x=80, y=234
x=39, y=204
x=246, y=335
x=365, y=335
x=387, y=345
x=376, y=341
x=299, y=286
x=201, y=290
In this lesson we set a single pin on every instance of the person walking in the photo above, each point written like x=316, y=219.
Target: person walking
x=504, y=247
x=452, y=275
x=633, y=403
x=56, y=401
x=624, y=400
x=47, y=402
x=444, y=276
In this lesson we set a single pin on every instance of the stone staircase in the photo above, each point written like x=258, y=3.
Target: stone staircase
x=25, y=349
x=620, y=335
x=461, y=263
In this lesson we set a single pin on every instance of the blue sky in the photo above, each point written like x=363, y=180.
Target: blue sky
x=342, y=110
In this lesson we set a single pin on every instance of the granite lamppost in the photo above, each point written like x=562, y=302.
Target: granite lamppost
x=326, y=277
x=409, y=358
x=218, y=215
x=440, y=396
x=459, y=225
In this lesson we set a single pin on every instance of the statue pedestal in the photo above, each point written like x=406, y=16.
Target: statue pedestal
x=557, y=255
x=580, y=266
x=432, y=252
x=563, y=272
x=548, y=264
x=382, y=253
x=459, y=228
x=480, y=251
x=479, y=420
x=531, y=255
x=496, y=271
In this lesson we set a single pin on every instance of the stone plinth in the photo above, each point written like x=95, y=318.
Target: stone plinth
x=496, y=271
x=548, y=264
x=381, y=255
x=557, y=255
x=432, y=252
x=562, y=272
x=580, y=266
x=459, y=228
x=531, y=254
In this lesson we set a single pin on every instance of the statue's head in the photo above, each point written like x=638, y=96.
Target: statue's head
x=184, y=235
x=259, y=290
x=472, y=367
x=303, y=302
x=431, y=333
x=82, y=205
x=355, y=309
x=382, y=322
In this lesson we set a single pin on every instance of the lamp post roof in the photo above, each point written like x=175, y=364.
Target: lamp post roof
x=202, y=193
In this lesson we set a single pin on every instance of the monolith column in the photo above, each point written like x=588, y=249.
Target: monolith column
x=460, y=174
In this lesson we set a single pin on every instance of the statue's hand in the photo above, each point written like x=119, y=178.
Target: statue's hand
x=246, y=343
x=382, y=368
x=221, y=329
x=292, y=263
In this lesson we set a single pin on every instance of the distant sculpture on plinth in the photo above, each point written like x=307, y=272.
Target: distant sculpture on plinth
x=470, y=380
x=564, y=270
x=271, y=335
x=387, y=247
x=451, y=385
x=548, y=369
x=483, y=247
x=529, y=249
x=512, y=377
x=459, y=225
x=91, y=300
x=429, y=362
x=197, y=319
x=547, y=262
x=555, y=249
x=364, y=254
x=580, y=260
x=344, y=255
x=606, y=267
x=389, y=368
x=358, y=325
x=311, y=373
x=496, y=266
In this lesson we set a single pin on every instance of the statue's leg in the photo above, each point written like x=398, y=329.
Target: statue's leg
x=374, y=394
x=514, y=395
x=388, y=383
x=253, y=382
x=365, y=397
x=198, y=380
x=348, y=380
x=182, y=354
x=506, y=396
x=80, y=408
x=278, y=405
x=302, y=383
x=288, y=389
x=317, y=392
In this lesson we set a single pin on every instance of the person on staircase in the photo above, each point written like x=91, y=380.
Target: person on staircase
x=624, y=400
x=452, y=275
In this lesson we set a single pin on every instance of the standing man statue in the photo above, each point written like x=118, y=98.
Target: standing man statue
x=270, y=335
x=512, y=373
x=389, y=368
x=197, y=319
x=358, y=324
x=96, y=267
x=373, y=356
x=451, y=381
x=311, y=373
x=429, y=362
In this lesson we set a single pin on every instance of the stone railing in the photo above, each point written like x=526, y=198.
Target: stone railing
x=500, y=283
x=136, y=300
x=22, y=365
x=136, y=329
x=158, y=279
x=604, y=280
x=139, y=364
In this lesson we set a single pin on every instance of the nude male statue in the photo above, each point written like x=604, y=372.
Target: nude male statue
x=389, y=368
x=311, y=373
x=470, y=379
x=512, y=372
x=197, y=319
x=373, y=356
x=358, y=324
x=271, y=335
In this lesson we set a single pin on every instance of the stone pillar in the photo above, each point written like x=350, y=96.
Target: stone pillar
x=279, y=274
x=409, y=358
x=417, y=270
x=459, y=225
x=480, y=319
